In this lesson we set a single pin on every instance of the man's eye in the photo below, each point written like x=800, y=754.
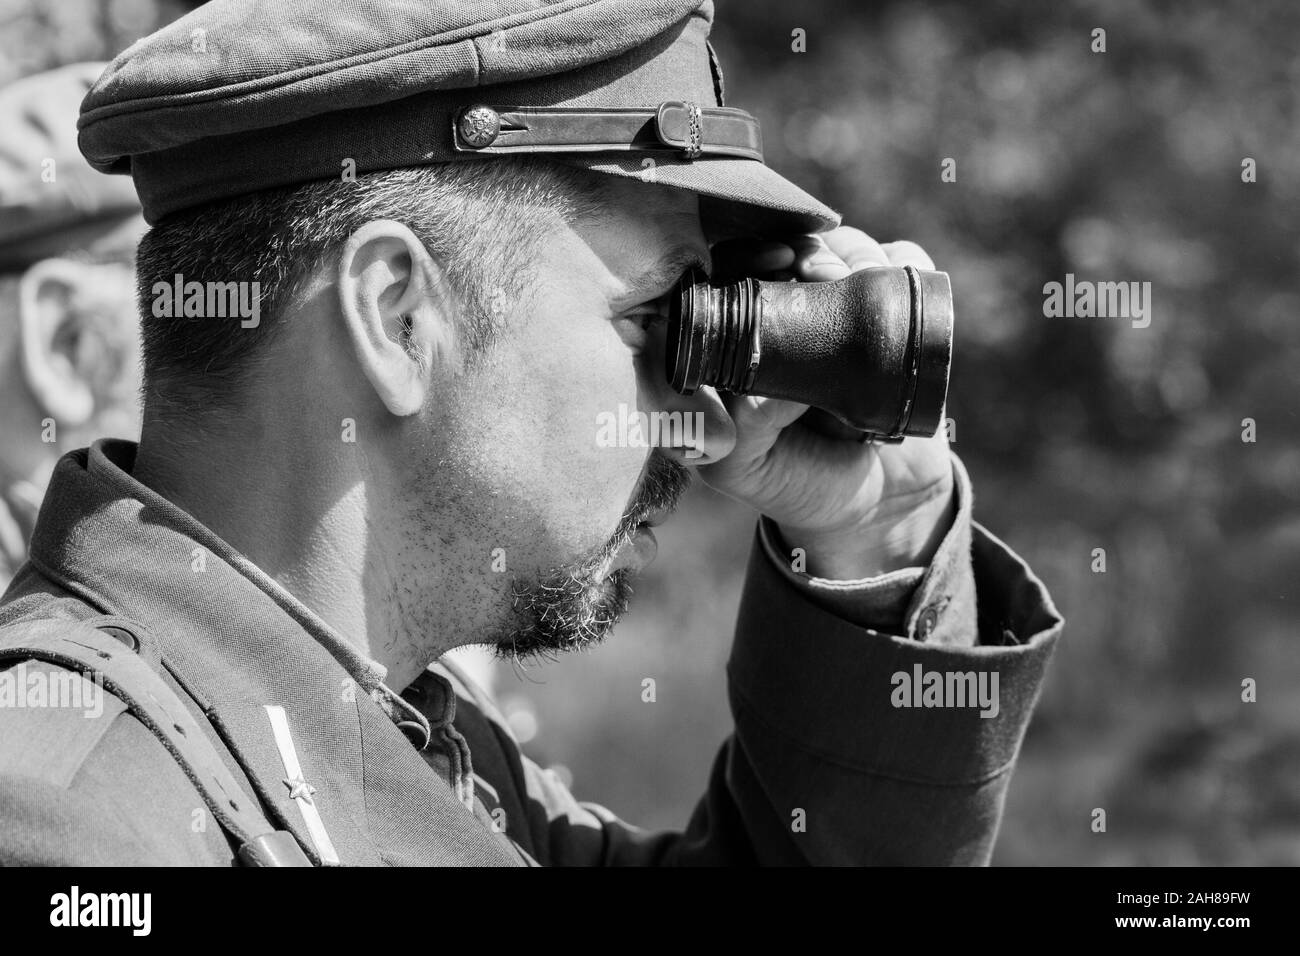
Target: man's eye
x=649, y=314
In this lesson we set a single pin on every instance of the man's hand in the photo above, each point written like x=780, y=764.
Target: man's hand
x=857, y=510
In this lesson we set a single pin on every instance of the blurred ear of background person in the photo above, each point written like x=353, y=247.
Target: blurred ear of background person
x=69, y=338
x=69, y=329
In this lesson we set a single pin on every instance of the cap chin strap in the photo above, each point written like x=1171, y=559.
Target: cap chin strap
x=685, y=129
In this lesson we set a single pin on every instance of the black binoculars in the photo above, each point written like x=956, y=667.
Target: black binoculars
x=872, y=349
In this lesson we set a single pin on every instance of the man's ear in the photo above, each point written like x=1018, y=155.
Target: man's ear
x=50, y=329
x=397, y=311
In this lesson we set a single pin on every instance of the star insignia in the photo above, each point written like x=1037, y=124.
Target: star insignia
x=299, y=789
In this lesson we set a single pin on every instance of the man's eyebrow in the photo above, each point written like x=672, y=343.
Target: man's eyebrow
x=664, y=274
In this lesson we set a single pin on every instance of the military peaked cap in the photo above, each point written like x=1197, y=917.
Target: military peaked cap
x=238, y=97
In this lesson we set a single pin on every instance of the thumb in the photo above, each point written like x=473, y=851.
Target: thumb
x=759, y=422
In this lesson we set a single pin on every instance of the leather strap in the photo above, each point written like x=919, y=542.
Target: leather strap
x=80, y=646
x=689, y=130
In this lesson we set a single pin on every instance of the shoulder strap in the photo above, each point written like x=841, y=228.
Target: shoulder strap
x=51, y=743
x=83, y=647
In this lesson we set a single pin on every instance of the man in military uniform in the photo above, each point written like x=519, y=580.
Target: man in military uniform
x=462, y=227
x=69, y=341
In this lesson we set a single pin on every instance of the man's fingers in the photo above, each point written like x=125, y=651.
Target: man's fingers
x=823, y=257
x=759, y=420
x=856, y=248
x=904, y=253
x=815, y=261
x=735, y=259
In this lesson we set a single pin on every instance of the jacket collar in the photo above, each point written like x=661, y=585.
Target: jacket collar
x=237, y=641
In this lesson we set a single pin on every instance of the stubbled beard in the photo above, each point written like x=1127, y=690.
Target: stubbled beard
x=573, y=606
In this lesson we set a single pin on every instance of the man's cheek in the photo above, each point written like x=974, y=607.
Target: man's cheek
x=605, y=473
x=564, y=400
x=619, y=442
x=575, y=487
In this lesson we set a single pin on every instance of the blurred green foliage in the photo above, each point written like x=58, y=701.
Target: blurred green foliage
x=1079, y=433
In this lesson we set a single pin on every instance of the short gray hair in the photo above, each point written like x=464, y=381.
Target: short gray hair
x=481, y=220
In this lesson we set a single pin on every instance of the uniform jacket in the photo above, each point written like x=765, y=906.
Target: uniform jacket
x=824, y=764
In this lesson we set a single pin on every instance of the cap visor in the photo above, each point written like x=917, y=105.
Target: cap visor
x=738, y=196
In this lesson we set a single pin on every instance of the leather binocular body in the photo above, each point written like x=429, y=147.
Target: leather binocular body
x=873, y=349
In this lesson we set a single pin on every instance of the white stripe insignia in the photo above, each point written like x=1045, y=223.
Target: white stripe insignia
x=300, y=791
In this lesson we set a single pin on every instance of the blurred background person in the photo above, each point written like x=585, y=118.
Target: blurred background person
x=69, y=342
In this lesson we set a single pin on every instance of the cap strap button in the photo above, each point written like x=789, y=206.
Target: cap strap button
x=478, y=126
